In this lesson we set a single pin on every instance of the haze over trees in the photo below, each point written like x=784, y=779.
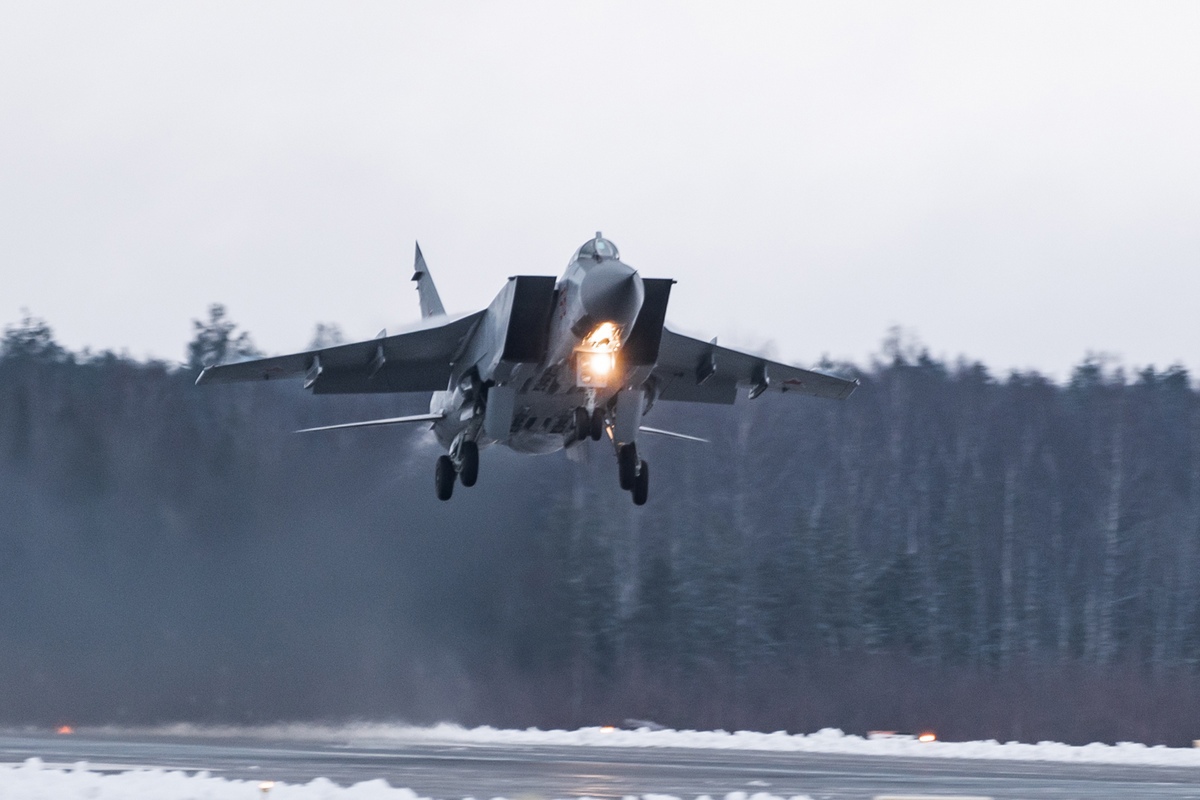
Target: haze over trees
x=987, y=555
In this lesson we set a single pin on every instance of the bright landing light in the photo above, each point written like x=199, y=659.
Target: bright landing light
x=596, y=358
x=600, y=363
x=605, y=337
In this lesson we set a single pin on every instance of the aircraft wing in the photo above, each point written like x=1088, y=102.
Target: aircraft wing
x=695, y=371
x=419, y=360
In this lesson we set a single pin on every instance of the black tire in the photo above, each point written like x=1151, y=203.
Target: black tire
x=468, y=454
x=627, y=464
x=597, y=425
x=641, y=485
x=443, y=477
x=583, y=424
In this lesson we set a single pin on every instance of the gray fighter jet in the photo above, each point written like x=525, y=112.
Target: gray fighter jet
x=548, y=365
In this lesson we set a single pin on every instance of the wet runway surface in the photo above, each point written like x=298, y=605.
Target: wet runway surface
x=527, y=772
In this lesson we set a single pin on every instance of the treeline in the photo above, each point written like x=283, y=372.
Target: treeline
x=990, y=556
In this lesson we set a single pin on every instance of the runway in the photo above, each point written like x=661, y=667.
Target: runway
x=451, y=771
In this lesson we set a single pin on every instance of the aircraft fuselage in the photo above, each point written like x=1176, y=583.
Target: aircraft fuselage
x=551, y=363
x=596, y=304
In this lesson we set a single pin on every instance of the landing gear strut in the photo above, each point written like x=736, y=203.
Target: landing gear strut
x=597, y=424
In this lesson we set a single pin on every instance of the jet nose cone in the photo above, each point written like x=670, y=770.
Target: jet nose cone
x=612, y=292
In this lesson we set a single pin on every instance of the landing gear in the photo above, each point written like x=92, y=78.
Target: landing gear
x=627, y=465
x=634, y=473
x=588, y=426
x=641, y=484
x=443, y=477
x=583, y=424
x=597, y=424
x=468, y=468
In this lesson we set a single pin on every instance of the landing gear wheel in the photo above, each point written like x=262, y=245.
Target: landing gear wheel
x=627, y=464
x=583, y=424
x=443, y=477
x=597, y=424
x=641, y=485
x=468, y=472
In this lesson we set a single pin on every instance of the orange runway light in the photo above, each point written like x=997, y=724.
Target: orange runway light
x=927, y=737
x=64, y=730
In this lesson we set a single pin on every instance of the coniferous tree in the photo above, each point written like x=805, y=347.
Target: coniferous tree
x=217, y=341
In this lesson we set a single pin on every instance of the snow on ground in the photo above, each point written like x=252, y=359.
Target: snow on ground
x=829, y=741
x=35, y=781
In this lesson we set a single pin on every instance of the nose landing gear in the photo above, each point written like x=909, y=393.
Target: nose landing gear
x=583, y=424
x=589, y=426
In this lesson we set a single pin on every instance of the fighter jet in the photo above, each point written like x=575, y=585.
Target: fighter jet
x=550, y=364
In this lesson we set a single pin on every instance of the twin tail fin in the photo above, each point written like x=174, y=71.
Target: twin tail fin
x=431, y=303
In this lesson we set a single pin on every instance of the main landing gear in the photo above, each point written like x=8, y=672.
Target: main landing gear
x=466, y=470
x=443, y=477
x=633, y=473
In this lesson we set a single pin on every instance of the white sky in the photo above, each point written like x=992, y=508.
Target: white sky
x=1016, y=182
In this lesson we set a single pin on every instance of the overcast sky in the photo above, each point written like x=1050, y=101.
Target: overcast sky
x=1015, y=182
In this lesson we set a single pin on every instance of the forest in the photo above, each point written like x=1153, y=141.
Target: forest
x=984, y=555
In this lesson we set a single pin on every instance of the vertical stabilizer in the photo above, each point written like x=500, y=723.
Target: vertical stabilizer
x=431, y=304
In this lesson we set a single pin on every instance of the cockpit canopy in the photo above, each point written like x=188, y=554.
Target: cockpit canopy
x=597, y=249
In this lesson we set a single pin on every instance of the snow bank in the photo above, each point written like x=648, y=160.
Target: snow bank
x=829, y=741
x=34, y=781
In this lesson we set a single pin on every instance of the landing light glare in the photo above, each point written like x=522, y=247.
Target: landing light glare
x=602, y=363
x=606, y=337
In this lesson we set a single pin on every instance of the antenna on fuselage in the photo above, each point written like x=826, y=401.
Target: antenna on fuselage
x=427, y=293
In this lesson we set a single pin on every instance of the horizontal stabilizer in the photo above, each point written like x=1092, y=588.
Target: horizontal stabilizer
x=371, y=423
x=673, y=435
